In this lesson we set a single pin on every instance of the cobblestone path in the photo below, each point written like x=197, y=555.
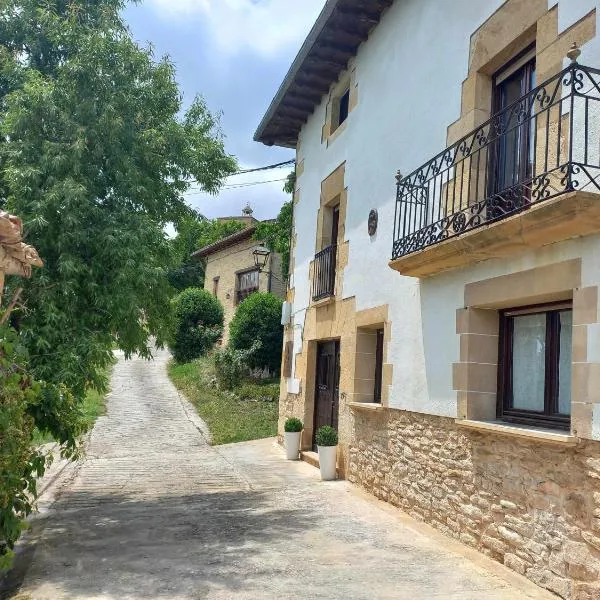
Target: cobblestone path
x=155, y=512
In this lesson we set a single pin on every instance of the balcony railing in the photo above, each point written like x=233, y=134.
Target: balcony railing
x=545, y=144
x=323, y=283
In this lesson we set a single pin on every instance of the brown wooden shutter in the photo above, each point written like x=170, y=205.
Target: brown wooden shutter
x=288, y=353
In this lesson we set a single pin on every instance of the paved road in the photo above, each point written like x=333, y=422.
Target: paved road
x=155, y=512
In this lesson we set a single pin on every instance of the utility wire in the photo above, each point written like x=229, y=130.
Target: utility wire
x=244, y=171
x=250, y=183
x=235, y=186
x=276, y=166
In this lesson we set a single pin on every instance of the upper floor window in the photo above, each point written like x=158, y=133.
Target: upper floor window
x=247, y=283
x=341, y=108
x=324, y=265
x=512, y=155
x=535, y=365
x=215, y=286
x=344, y=106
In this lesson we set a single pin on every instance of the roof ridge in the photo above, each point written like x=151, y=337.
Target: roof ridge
x=224, y=242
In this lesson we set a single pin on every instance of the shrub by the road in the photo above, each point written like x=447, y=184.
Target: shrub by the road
x=258, y=319
x=197, y=324
x=233, y=365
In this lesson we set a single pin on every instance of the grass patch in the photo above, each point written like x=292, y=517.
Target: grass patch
x=94, y=406
x=229, y=418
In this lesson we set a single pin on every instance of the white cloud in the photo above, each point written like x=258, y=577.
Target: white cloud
x=262, y=26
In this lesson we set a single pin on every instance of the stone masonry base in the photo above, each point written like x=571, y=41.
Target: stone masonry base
x=533, y=506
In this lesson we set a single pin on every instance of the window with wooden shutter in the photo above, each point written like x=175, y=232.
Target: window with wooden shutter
x=247, y=284
x=288, y=353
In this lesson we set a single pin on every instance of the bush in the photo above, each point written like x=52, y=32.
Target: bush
x=20, y=462
x=293, y=425
x=326, y=436
x=231, y=365
x=260, y=393
x=258, y=318
x=198, y=324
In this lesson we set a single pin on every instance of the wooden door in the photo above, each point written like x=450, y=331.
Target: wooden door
x=327, y=391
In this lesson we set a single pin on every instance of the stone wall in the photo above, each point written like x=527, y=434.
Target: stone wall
x=533, y=506
x=278, y=282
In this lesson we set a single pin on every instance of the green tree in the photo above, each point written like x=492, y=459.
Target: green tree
x=195, y=232
x=96, y=155
x=19, y=462
x=25, y=403
x=276, y=235
x=258, y=319
x=289, y=187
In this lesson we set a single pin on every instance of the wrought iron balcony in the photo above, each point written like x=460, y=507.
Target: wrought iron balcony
x=544, y=144
x=323, y=283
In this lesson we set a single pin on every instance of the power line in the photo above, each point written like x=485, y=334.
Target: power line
x=250, y=183
x=235, y=186
x=244, y=171
x=275, y=166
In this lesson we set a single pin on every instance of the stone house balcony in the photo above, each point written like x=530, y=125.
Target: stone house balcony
x=525, y=178
x=324, y=271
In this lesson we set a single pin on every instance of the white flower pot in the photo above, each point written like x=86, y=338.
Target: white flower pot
x=327, y=461
x=292, y=444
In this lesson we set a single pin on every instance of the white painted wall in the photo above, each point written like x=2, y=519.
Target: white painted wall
x=409, y=75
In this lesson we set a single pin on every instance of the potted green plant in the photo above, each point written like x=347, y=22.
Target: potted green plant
x=327, y=439
x=293, y=431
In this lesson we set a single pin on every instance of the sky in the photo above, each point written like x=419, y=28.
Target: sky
x=235, y=53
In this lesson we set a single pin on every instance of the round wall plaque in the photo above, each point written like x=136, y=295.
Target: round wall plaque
x=372, y=223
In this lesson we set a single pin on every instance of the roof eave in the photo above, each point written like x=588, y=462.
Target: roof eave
x=334, y=39
x=231, y=240
x=305, y=49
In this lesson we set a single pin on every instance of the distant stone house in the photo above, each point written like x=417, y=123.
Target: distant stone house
x=445, y=267
x=231, y=273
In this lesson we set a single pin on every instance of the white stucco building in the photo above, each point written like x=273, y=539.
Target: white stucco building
x=446, y=264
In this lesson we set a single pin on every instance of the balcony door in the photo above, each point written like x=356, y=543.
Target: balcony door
x=323, y=285
x=512, y=154
x=335, y=227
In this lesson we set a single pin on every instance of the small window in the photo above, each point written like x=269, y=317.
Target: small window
x=378, y=367
x=247, y=284
x=344, y=107
x=535, y=365
x=368, y=364
x=215, y=286
x=341, y=108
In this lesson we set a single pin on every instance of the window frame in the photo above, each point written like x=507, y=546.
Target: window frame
x=378, y=385
x=343, y=101
x=525, y=63
x=238, y=289
x=336, y=116
x=550, y=417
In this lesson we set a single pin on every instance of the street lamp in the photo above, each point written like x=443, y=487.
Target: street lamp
x=261, y=256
